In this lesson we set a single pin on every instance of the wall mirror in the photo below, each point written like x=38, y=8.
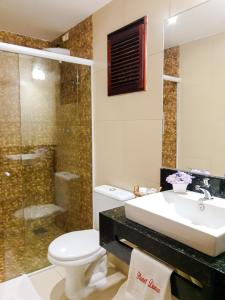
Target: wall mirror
x=194, y=90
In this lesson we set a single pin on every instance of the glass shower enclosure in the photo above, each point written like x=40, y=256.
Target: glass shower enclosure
x=45, y=155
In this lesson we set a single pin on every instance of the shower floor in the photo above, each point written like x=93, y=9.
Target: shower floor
x=37, y=241
x=33, y=255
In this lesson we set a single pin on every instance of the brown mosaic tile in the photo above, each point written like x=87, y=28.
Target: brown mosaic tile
x=38, y=235
x=172, y=61
x=37, y=177
x=80, y=40
x=9, y=89
x=64, y=140
x=171, y=67
x=74, y=147
x=21, y=40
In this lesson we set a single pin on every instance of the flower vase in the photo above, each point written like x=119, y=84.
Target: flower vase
x=180, y=187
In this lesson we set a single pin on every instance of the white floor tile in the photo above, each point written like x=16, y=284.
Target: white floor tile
x=50, y=285
x=44, y=282
x=19, y=288
x=61, y=271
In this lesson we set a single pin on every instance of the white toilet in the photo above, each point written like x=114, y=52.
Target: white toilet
x=79, y=252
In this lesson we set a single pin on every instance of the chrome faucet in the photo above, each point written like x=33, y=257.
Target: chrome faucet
x=207, y=194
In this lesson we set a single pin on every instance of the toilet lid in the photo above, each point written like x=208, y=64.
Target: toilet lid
x=75, y=245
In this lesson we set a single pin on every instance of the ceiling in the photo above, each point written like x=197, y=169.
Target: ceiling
x=45, y=19
x=202, y=21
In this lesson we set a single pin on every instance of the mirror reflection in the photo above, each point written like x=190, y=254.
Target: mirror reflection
x=194, y=90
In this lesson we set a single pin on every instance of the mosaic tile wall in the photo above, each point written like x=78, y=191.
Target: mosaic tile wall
x=171, y=61
x=21, y=40
x=73, y=150
x=171, y=67
x=10, y=138
x=80, y=40
x=56, y=127
x=74, y=134
x=25, y=183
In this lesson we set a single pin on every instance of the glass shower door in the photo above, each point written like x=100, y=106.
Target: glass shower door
x=56, y=145
x=45, y=158
x=11, y=199
x=39, y=94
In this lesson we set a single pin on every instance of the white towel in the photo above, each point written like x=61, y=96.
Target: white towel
x=148, y=279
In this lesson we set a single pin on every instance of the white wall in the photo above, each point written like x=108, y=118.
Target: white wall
x=128, y=127
x=177, y=6
x=202, y=105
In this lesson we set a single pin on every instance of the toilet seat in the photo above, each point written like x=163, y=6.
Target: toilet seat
x=76, y=248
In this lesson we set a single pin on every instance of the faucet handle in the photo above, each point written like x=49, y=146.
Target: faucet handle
x=7, y=174
x=206, y=182
x=197, y=187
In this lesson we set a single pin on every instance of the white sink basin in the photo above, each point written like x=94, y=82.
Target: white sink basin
x=179, y=217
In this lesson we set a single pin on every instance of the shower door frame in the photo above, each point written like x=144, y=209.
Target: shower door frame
x=6, y=47
x=44, y=54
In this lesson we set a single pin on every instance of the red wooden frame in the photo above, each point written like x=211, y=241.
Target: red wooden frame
x=137, y=29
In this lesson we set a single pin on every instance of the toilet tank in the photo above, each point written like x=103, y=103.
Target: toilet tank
x=108, y=197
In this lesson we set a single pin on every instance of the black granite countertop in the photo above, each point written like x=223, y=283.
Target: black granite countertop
x=208, y=270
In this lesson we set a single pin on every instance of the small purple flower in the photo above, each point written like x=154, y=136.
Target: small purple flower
x=179, y=177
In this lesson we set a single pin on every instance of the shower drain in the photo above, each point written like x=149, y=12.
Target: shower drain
x=39, y=231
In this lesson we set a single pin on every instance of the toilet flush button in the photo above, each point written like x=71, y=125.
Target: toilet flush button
x=112, y=189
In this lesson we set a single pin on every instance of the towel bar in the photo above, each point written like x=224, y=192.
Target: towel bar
x=115, y=230
x=181, y=287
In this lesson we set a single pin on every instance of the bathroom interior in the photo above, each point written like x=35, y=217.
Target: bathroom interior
x=112, y=142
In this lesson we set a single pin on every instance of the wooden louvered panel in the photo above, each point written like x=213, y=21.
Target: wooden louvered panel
x=125, y=68
x=127, y=58
x=124, y=75
x=123, y=48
